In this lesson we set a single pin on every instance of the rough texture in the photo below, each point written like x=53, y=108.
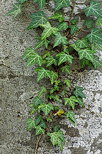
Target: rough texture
x=18, y=85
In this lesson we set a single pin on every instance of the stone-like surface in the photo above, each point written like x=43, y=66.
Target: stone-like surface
x=18, y=85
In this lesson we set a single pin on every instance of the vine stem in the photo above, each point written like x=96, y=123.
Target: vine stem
x=37, y=143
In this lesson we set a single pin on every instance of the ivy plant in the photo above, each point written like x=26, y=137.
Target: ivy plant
x=63, y=42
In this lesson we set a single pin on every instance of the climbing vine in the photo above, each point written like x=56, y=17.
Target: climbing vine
x=63, y=42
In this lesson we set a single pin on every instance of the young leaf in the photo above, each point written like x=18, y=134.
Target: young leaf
x=32, y=57
x=87, y=54
x=62, y=26
x=73, y=29
x=39, y=130
x=48, y=30
x=43, y=73
x=16, y=10
x=57, y=138
x=46, y=108
x=30, y=123
x=50, y=60
x=61, y=4
x=57, y=16
x=95, y=36
x=63, y=57
x=38, y=18
x=59, y=39
x=93, y=9
x=59, y=112
x=71, y=101
x=53, y=76
x=78, y=92
x=66, y=69
x=41, y=3
x=71, y=116
x=36, y=101
x=67, y=82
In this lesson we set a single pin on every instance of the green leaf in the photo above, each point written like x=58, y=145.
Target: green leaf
x=42, y=91
x=36, y=101
x=71, y=116
x=99, y=22
x=50, y=60
x=61, y=4
x=73, y=29
x=80, y=102
x=42, y=43
x=89, y=23
x=96, y=63
x=32, y=57
x=39, y=130
x=38, y=18
x=15, y=10
x=78, y=92
x=74, y=21
x=22, y=1
x=57, y=16
x=67, y=82
x=53, y=76
x=30, y=123
x=87, y=54
x=46, y=108
x=62, y=26
x=66, y=69
x=95, y=36
x=59, y=39
x=57, y=138
x=93, y=9
x=41, y=3
x=48, y=30
x=71, y=101
x=63, y=57
x=80, y=44
x=43, y=73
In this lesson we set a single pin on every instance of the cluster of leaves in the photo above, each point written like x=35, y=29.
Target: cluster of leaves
x=56, y=59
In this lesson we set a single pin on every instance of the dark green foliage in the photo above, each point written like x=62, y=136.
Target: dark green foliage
x=63, y=42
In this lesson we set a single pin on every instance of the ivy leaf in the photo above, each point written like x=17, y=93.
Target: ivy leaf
x=50, y=60
x=57, y=138
x=53, y=76
x=93, y=9
x=87, y=54
x=71, y=116
x=80, y=102
x=30, y=123
x=22, y=1
x=42, y=43
x=48, y=30
x=32, y=57
x=59, y=112
x=74, y=21
x=38, y=18
x=80, y=44
x=71, y=101
x=66, y=69
x=99, y=22
x=95, y=36
x=73, y=29
x=42, y=90
x=78, y=92
x=39, y=130
x=46, y=108
x=43, y=73
x=61, y=4
x=57, y=16
x=63, y=57
x=89, y=23
x=67, y=82
x=62, y=26
x=15, y=10
x=59, y=39
x=41, y=3
x=96, y=63
x=36, y=101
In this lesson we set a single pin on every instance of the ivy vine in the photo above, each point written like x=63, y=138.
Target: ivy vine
x=63, y=42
